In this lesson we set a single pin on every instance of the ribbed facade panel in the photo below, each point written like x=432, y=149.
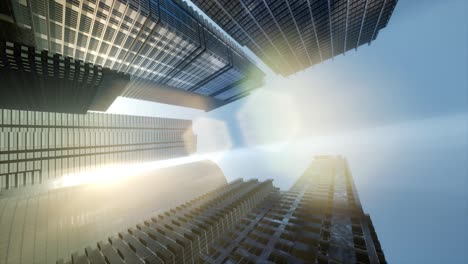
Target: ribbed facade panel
x=182, y=234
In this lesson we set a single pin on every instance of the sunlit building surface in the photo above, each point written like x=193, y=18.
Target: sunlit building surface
x=39, y=146
x=181, y=234
x=41, y=224
x=319, y=220
x=291, y=35
x=170, y=52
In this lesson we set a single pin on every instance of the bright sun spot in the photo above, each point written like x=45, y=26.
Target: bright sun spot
x=106, y=176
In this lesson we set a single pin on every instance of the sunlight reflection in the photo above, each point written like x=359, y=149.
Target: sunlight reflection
x=110, y=175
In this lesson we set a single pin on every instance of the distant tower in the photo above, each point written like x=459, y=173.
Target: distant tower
x=319, y=220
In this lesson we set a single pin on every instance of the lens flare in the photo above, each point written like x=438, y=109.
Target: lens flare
x=269, y=116
x=212, y=135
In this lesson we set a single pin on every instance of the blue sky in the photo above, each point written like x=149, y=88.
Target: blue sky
x=397, y=109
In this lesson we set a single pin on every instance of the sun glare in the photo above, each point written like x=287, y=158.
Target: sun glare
x=112, y=174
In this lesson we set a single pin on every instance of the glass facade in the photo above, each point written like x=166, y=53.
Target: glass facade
x=158, y=42
x=38, y=146
x=291, y=35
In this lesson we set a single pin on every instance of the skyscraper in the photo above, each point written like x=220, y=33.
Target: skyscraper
x=170, y=52
x=38, y=146
x=319, y=220
x=291, y=35
x=40, y=224
x=181, y=234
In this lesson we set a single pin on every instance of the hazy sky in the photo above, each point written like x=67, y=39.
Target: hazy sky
x=397, y=109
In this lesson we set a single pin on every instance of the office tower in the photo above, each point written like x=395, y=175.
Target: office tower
x=41, y=224
x=170, y=53
x=179, y=235
x=38, y=146
x=319, y=220
x=291, y=35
